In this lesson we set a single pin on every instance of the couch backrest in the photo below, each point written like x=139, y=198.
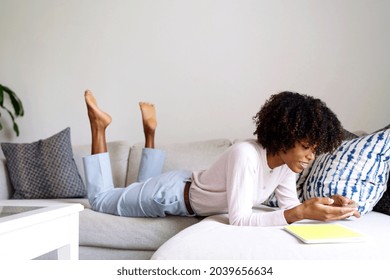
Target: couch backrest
x=119, y=155
x=191, y=156
x=125, y=160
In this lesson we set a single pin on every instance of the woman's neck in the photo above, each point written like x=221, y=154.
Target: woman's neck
x=274, y=161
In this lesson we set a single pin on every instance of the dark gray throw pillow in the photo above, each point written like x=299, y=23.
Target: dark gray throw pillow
x=44, y=169
x=383, y=206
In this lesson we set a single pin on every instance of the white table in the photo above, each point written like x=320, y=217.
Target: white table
x=31, y=228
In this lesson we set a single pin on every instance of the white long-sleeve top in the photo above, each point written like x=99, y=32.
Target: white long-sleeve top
x=239, y=180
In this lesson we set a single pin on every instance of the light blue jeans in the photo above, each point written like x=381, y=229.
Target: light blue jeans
x=154, y=195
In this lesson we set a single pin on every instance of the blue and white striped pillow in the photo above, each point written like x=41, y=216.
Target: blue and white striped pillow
x=301, y=177
x=358, y=169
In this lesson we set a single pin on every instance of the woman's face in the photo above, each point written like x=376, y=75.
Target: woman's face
x=298, y=157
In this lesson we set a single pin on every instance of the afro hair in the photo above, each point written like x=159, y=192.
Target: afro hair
x=288, y=117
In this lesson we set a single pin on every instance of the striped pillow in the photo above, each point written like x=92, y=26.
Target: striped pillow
x=301, y=177
x=358, y=169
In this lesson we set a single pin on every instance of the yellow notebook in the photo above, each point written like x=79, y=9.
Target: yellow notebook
x=324, y=233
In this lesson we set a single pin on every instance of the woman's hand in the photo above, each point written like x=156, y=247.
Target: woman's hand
x=322, y=209
x=340, y=200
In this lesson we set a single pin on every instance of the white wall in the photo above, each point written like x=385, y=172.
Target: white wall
x=208, y=65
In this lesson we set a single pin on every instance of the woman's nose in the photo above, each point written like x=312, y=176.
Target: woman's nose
x=311, y=156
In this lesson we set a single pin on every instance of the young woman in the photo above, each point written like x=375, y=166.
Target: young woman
x=291, y=129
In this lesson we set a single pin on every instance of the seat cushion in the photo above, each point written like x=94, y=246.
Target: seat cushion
x=214, y=239
x=109, y=231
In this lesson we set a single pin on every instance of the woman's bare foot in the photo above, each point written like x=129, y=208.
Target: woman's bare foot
x=97, y=117
x=149, y=121
x=99, y=121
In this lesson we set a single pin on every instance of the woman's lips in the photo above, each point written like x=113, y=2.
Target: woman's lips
x=304, y=164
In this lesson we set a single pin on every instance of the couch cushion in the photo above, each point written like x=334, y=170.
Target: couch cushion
x=109, y=231
x=191, y=156
x=119, y=156
x=99, y=253
x=44, y=169
x=215, y=239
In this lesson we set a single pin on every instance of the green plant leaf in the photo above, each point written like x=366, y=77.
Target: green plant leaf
x=15, y=126
x=16, y=129
x=1, y=95
x=16, y=102
x=10, y=113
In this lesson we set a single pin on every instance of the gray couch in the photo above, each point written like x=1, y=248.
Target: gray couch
x=104, y=236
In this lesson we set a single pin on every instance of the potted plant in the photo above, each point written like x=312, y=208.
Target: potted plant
x=16, y=103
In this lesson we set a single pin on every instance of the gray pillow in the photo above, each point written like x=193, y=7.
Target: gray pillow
x=44, y=169
x=383, y=206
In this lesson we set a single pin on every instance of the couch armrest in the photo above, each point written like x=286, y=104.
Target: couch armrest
x=6, y=189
